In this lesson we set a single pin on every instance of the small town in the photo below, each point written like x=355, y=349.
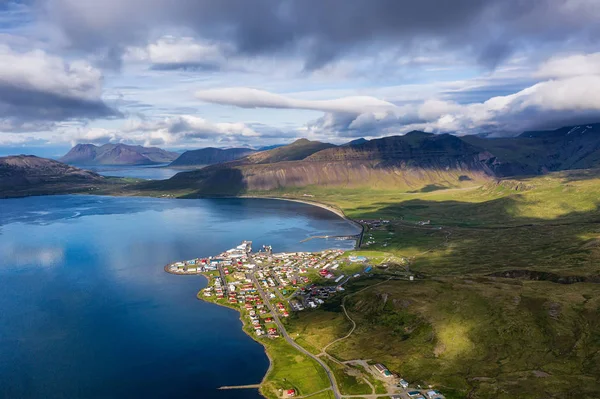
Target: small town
x=265, y=287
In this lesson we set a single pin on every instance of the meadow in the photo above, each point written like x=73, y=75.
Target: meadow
x=462, y=325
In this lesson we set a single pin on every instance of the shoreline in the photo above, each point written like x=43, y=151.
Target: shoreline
x=336, y=211
x=200, y=298
x=321, y=205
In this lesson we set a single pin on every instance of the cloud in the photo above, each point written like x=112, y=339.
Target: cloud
x=253, y=98
x=545, y=104
x=35, y=86
x=170, y=53
x=572, y=65
x=171, y=131
x=319, y=32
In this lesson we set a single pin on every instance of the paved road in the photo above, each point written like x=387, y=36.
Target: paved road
x=284, y=334
x=225, y=286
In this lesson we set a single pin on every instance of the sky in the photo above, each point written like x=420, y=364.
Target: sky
x=189, y=74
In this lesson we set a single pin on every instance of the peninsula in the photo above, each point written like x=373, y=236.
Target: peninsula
x=267, y=287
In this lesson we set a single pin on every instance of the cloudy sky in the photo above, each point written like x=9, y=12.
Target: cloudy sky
x=195, y=73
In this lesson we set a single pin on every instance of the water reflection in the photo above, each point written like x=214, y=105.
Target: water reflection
x=87, y=311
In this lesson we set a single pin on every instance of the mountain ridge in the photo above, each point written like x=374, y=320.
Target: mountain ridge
x=395, y=161
x=34, y=175
x=210, y=156
x=117, y=154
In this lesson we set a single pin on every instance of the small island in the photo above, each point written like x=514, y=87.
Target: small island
x=270, y=288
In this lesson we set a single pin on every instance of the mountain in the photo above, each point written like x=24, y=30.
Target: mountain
x=210, y=156
x=117, y=154
x=28, y=175
x=411, y=162
x=538, y=152
x=269, y=147
x=296, y=151
x=355, y=142
x=418, y=148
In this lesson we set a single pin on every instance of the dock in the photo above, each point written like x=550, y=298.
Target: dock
x=252, y=386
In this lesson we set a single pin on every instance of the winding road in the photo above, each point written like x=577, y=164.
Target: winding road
x=284, y=334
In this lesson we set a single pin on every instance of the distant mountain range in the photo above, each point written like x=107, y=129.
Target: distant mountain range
x=415, y=160
x=210, y=156
x=117, y=154
x=411, y=161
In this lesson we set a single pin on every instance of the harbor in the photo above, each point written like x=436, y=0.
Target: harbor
x=266, y=287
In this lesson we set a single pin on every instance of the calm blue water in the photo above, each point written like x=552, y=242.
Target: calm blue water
x=86, y=310
x=154, y=172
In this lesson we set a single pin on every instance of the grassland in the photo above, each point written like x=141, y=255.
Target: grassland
x=291, y=369
x=461, y=326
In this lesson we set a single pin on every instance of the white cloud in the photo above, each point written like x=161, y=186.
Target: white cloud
x=170, y=52
x=244, y=97
x=38, y=71
x=542, y=104
x=171, y=131
x=37, y=86
x=572, y=65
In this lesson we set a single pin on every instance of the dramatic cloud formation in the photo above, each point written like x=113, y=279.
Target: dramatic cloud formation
x=253, y=98
x=322, y=31
x=572, y=98
x=191, y=73
x=35, y=86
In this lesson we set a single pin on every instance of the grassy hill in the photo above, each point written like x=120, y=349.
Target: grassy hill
x=496, y=311
x=298, y=150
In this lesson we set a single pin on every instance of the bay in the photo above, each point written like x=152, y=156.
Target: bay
x=147, y=172
x=86, y=310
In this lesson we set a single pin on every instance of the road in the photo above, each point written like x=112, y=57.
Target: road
x=284, y=334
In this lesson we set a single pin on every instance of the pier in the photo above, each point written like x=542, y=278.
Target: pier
x=252, y=386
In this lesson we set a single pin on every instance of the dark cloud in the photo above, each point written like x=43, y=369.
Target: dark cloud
x=19, y=103
x=321, y=31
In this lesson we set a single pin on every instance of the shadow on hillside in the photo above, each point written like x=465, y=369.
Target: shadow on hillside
x=496, y=235
x=429, y=188
x=208, y=182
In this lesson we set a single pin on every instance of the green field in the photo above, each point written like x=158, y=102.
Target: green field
x=460, y=326
x=488, y=315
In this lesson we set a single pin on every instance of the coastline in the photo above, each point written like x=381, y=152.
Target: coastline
x=225, y=305
x=199, y=296
x=321, y=205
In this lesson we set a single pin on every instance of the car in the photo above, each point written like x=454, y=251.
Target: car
x=403, y=384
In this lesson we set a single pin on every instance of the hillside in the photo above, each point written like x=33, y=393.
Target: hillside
x=210, y=156
x=538, y=152
x=117, y=154
x=28, y=174
x=410, y=162
x=296, y=151
x=504, y=302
